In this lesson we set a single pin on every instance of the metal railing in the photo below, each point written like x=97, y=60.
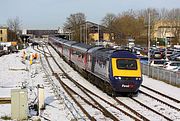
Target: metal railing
x=160, y=73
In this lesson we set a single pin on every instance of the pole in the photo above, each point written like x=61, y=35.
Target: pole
x=69, y=35
x=80, y=33
x=166, y=42
x=149, y=36
x=86, y=33
x=98, y=34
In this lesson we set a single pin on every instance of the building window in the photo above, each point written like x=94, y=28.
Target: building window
x=1, y=38
x=0, y=31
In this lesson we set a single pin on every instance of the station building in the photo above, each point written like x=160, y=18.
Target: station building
x=6, y=35
x=166, y=30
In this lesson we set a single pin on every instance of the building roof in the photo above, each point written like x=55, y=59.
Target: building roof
x=1, y=27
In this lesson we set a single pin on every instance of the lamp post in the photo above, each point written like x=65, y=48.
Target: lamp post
x=98, y=34
x=86, y=31
x=149, y=43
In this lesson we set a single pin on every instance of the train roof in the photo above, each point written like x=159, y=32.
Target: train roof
x=82, y=46
x=55, y=38
x=95, y=48
x=123, y=54
x=106, y=53
x=69, y=43
x=62, y=40
x=103, y=53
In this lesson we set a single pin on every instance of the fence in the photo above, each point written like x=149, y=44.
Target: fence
x=160, y=73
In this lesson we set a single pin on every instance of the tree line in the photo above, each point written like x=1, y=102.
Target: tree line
x=130, y=24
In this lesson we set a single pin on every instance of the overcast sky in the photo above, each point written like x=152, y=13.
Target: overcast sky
x=49, y=14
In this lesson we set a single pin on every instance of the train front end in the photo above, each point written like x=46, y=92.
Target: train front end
x=125, y=72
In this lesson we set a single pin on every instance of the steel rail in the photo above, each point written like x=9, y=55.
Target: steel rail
x=171, y=98
x=176, y=108
x=151, y=109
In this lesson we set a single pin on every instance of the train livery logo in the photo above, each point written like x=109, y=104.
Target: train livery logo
x=127, y=85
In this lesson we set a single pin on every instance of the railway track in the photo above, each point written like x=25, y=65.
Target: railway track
x=104, y=110
x=159, y=103
x=166, y=96
x=160, y=100
x=73, y=94
x=122, y=104
x=155, y=113
x=156, y=104
x=137, y=113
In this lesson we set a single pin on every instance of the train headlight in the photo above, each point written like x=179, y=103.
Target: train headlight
x=138, y=78
x=117, y=77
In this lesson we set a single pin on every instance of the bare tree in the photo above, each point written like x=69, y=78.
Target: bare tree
x=127, y=25
x=14, y=24
x=163, y=14
x=108, y=21
x=73, y=23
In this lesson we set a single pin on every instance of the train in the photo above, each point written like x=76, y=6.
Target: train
x=116, y=72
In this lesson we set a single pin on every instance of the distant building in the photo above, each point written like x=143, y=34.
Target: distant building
x=41, y=33
x=7, y=35
x=95, y=32
x=165, y=29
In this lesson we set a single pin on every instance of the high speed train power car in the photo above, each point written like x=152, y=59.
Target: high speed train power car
x=114, y=71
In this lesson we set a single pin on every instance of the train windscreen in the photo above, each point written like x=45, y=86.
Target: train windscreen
x=126, y=64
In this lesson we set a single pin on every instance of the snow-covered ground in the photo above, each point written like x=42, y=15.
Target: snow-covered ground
x=13, y=72
x=161, y=86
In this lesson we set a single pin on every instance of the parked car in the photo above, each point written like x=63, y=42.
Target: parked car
x=171, y=65
x=169, y=53
x=176, y=69
x=175, y=57
x=157, y=62
x=143, y=60
x=157, y=55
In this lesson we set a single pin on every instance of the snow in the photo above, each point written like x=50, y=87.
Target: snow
x=13, y=72
x=162, y=87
